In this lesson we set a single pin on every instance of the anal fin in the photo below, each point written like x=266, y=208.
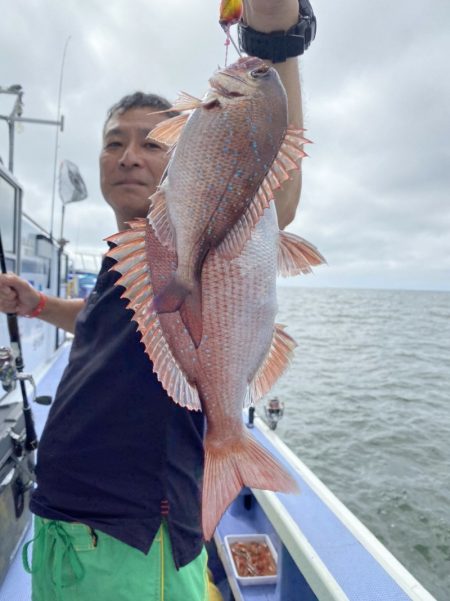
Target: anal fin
x=274, y=364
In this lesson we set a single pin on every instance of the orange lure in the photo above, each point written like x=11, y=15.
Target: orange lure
x=230, y=12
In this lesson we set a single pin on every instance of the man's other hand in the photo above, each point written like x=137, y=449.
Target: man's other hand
x=16, y=295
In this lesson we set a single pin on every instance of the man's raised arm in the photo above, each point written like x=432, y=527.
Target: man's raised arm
x=266, y=16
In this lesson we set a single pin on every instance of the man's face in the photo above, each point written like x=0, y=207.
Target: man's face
x=131, y=166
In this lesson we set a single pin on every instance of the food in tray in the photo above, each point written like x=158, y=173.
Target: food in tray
x=253, y=558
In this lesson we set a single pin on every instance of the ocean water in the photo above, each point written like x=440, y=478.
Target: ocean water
x=367, y=408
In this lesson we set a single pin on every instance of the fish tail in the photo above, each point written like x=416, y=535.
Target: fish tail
x=226, y=473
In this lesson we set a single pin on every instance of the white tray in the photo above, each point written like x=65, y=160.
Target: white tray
x=245, y=538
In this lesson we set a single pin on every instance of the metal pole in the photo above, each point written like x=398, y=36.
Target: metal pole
x=11, y=121
x=40, y=121
x=55, y=161
x=62, y=221
x=11, y=145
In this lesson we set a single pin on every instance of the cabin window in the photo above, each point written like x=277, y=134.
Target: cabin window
x=7, y=215
x=36, y=256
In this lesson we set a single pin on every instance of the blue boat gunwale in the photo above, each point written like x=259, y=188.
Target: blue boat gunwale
x=306, y=557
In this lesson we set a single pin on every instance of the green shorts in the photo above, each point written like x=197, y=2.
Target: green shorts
x=71, y=562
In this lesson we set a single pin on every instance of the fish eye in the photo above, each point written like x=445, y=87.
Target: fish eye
x=260, y=72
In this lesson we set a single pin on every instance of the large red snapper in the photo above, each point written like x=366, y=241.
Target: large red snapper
x=241, y=354
x=235, y=148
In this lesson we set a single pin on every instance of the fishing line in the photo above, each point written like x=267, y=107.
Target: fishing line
x=229, y=40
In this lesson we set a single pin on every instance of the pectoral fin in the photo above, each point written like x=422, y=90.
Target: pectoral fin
x=179, y=296
x=296, y=255
x=186, y=102
x=167, y=132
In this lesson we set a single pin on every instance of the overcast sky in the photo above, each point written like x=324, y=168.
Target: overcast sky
x=376, y=85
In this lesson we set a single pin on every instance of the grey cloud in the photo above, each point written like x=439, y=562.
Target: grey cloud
x=377, y=105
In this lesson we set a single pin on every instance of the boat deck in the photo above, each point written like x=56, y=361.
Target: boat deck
x=324, y=552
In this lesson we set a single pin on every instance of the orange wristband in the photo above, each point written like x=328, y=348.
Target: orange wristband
x=39, y=307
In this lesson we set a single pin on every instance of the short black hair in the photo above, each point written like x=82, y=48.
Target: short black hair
x=140, y=100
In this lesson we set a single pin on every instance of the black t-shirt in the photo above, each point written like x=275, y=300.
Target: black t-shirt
x=117, y=453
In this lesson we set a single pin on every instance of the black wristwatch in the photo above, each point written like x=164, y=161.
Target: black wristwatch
x=277, y=46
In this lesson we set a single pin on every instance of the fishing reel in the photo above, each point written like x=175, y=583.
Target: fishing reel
x=9, y=376
x=274, y=411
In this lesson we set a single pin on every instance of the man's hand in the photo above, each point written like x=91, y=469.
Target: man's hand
x=271, y=15
x=16, y=295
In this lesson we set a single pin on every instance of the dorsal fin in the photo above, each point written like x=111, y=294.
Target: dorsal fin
x=137, y=224
x=124, y=249
x=296, y=255
x=123, y=237
x=139, y=284
x=159, y=219
x=233, y=243
x=287, y=159
x=136, y=279
x=274, y=364
x=167, y=132
x=131, y=275
x=133, y=259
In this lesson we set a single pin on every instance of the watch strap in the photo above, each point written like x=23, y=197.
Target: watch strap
x=278, y=46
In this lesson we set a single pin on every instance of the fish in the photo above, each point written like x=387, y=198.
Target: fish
x=228, y=155
x=241, y=354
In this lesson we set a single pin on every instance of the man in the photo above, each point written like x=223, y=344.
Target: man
x=120, y=465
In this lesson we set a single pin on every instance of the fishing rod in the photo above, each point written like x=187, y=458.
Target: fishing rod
x=31, y=441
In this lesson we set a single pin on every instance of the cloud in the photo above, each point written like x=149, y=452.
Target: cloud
x=376, y=190
x=376, y=101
